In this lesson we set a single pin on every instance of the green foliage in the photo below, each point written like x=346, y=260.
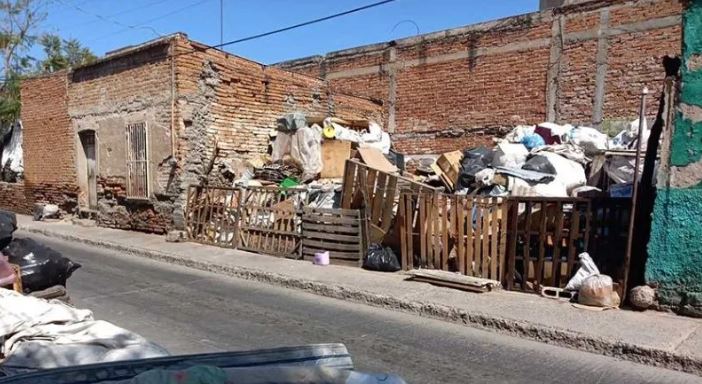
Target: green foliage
x=62, y=54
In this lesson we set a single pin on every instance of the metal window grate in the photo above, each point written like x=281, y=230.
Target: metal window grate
x=137, y=161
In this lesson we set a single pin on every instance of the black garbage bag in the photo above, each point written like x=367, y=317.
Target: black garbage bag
x=41, y=267
x=8, y=225
x=539, y=164
x=381, y=259
x=474, y=161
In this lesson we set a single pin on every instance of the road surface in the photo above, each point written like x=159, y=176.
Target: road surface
x=189, y=311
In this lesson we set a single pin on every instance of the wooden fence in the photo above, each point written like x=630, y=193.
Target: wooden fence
x=270, y=221
x=456, y=233
x=376, y=192
x=341, y=232
x=547, y=234
x=212, y=215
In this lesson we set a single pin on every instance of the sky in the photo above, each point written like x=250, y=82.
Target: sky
x=104, y=25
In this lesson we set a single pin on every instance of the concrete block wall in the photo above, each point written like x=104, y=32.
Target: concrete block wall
x=582, y=63
x=675, y=248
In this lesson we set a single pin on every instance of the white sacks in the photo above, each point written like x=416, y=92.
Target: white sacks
x=590, y=139
x=598, y=291
x=570, y=173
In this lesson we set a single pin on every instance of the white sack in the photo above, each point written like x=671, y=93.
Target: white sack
x=592, y=140
x=587, y=269
x=518, y=133
x=509, y=155
x=12, y=152
x=519, y=187
x=306, y=148
x=568, y=172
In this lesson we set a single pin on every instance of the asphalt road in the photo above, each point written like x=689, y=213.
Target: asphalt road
x=190, y=311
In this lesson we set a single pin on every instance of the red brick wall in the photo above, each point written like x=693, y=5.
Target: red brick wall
x=453, y=88
x=13, y=198
x=48, y=142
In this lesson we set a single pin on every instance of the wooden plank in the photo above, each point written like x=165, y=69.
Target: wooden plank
x=445, y=229
x=410, y=230
x=375, y=159
x=390, y=194
x=494, y=253
x=477, y=238
x=503, y=240
x=330, y=245
x=526, y=258
x=328, y=236
x=347, y=190
x=539, y=272
x=334, y=156
x=460, y=233
x=454, y=280
x=423, y=230
x=330, y=228
x=556, y=260
x=513, y=224
x=402, y=219
x=485, y=259
x=436, y=230
x=378, y=199
x=470, y=233
x=330, y=211
x=573, y=236
x=351, y=221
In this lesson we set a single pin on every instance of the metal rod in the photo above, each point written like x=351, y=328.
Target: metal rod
x=634, y=194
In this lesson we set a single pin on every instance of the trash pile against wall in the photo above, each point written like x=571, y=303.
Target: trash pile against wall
x=11, y=163
x=548, y=160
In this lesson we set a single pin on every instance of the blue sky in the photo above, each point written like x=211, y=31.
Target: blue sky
x=200, y=20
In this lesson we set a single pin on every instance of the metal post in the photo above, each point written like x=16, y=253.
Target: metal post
x=634, y=194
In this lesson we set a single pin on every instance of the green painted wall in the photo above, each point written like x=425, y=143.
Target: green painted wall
x=675, y=248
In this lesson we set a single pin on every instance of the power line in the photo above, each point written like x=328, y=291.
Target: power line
x=163, y=16
x=306, y=23
x=103, y=18
x=124, y=12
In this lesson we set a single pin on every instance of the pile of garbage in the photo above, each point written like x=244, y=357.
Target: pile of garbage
x=547, y=159
x=41, y=268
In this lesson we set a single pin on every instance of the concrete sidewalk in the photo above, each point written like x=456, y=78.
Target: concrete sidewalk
x=650, y=337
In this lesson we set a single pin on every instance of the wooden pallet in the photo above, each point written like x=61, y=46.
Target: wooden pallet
x=341, y=232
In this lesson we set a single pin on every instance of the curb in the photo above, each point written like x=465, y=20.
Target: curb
x=536, y=332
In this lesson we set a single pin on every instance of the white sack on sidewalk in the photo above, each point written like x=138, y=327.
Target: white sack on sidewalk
x=587, y=269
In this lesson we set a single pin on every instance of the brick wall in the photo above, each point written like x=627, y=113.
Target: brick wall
x=582, y=63
x=48, y=142
x=127, y=87
x=13, y=198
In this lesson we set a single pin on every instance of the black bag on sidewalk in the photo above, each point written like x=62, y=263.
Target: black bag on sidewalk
x=41, y=267
x=381, y=259
x=8, y=224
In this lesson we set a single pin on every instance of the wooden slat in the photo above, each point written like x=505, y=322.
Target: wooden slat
x=573, y=236
x=503, y=241
x=528, y=212
x=330, y=236
x=378, y=198
x=470, y=234
x=423, y=230
x=486, y=238
x=477, y=244
x=331, y=211
x=387, y=208
x=461, y=226
x=330, y=245
x=494, y=235
x=411, y=216
x=556, y=261
x=403, y=221
x=436, y=229
x=543, y=221
x=351, y=221
x=445, y=228
x=314, y=226
x=349, y=182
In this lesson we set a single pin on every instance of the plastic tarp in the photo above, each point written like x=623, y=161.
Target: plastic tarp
x=306, y=148
x=40, y=334
x=527, y=175
x=12, y=149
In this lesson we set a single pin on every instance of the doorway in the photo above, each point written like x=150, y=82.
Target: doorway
x=87, y=140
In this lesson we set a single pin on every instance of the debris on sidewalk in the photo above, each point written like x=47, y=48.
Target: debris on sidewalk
x=454, y=280
x=642, y=297
x=381, y=259
x=598, y=291
x=46, y=211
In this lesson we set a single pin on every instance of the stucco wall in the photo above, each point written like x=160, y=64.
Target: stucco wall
x=675, y=248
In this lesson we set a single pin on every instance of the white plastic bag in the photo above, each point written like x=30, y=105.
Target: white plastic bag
x=306, y=148
x=587, y=269
x=568, y=172
x=598, y=291
x=485, y=177
x=592, y=140
x=518, y=133
x=509, y=155
x=520, y=187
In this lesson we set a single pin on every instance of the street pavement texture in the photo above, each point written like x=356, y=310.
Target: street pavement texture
x=191, y=311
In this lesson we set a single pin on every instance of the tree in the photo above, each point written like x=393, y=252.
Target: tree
x=62, y=54
x=18, y=20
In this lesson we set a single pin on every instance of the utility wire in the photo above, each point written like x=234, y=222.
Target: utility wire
x=103, y=18
x=124, y=12
x=142, y=23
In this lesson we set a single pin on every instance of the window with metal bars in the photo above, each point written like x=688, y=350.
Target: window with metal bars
x=137, y=161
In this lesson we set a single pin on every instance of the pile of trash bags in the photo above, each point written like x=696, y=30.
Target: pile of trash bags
x=593, y=288
x=548, y=160
x=40, y=266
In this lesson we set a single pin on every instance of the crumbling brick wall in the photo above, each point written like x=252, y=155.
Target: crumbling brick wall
x=583, y=63
x=48, y=142
x=13, y=198
x=121, y=89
